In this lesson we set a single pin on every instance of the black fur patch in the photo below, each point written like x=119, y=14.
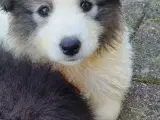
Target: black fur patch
x=34, y=92
x=7, y=5
x=105, y=2
x=111, y=18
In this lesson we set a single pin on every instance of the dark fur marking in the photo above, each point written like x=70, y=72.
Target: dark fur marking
x=32, y=92
x=102, y=3
x=7, y=5
x=110, y=16
x=22, y=16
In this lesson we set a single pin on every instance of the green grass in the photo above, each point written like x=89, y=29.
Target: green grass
x=156, y=19
x=147, y=80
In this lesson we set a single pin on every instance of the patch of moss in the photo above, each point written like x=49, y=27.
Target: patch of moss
x=146, y=80
x=156, y=19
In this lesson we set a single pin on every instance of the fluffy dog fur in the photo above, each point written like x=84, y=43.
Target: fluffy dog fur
x=34, y=92
x=102, y=69
x=4, y=26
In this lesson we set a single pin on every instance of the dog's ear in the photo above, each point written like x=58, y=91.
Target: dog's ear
x=7, y=5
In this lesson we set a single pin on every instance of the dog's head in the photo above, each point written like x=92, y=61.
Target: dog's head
x=65, y=31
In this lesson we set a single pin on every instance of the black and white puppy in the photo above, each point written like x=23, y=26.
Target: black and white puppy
x=32, y=92
x=86, y=40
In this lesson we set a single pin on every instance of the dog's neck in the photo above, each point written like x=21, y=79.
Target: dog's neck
x=77, y=74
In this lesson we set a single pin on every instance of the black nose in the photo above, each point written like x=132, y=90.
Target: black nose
x=70, y=46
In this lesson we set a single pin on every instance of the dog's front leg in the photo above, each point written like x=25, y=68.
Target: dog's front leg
x=106, y=97
x=109, y=109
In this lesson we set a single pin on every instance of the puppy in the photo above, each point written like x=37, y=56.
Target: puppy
x=86, y=40
x=34, y=92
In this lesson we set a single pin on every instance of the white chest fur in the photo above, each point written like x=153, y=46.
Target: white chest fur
x=106, y=81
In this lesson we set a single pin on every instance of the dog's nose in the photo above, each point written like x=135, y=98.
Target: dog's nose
x=70, y=46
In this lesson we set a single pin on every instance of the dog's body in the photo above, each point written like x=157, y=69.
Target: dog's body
x=84, y=39
x=34, y=92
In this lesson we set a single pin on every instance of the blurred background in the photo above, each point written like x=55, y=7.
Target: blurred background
x=143, y=19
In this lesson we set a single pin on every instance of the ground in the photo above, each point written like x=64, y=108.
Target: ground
x=143, y=19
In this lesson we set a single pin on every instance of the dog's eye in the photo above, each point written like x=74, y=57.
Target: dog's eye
x=86, y=6
x=44, y=11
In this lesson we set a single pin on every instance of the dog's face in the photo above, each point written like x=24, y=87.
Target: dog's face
x=65, y=31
